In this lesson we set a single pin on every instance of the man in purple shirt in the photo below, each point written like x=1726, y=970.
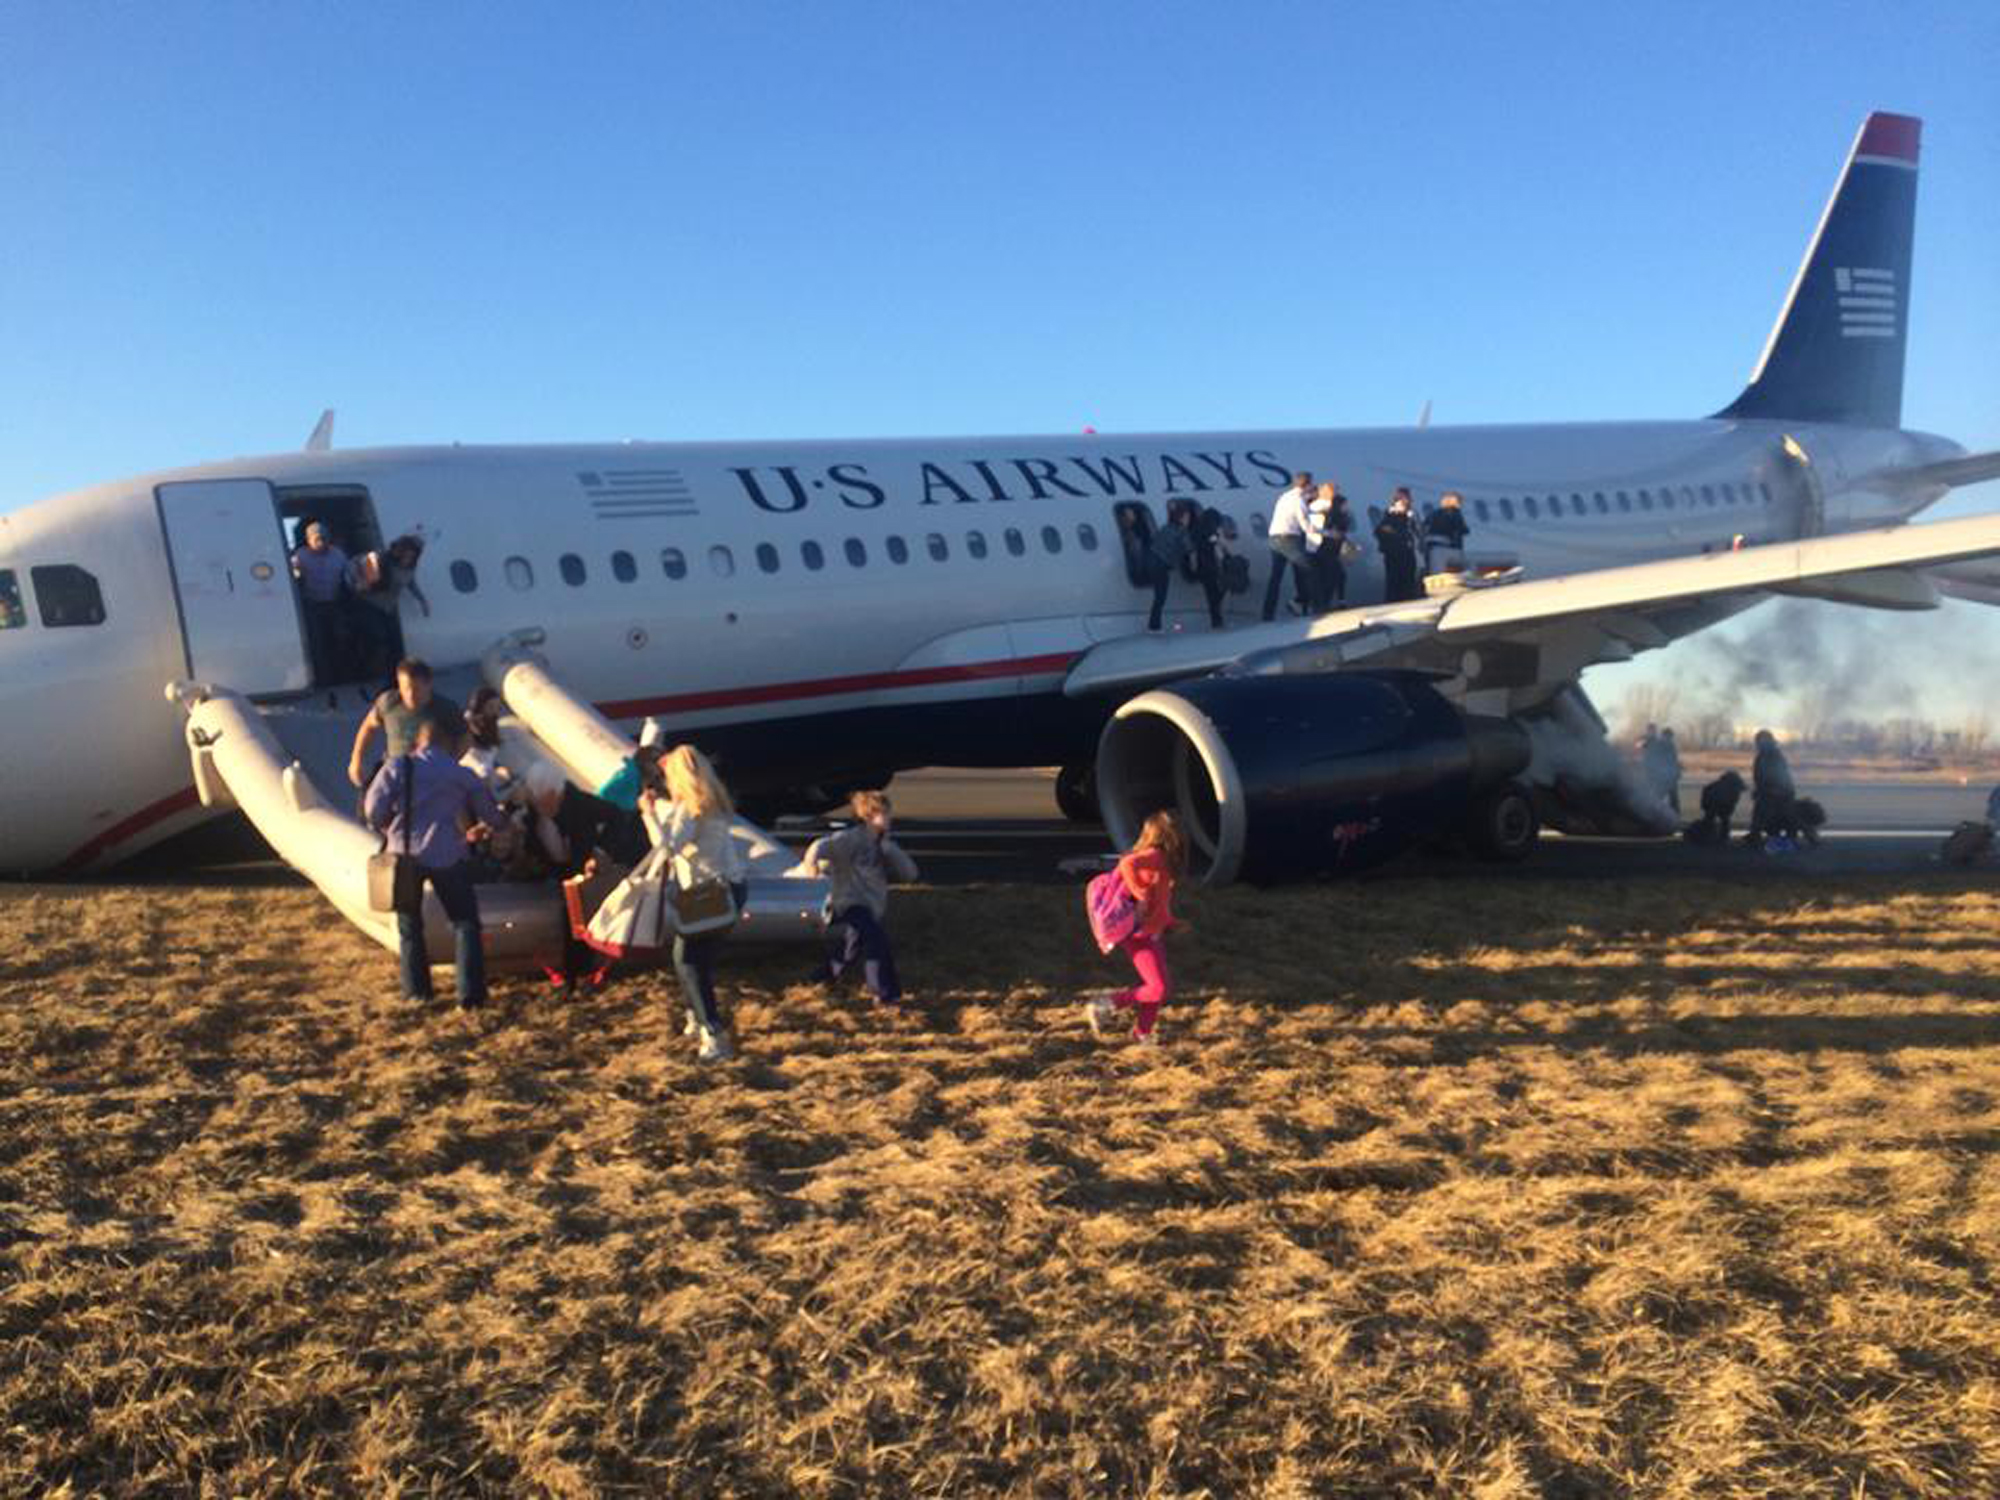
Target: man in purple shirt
x=446, y=805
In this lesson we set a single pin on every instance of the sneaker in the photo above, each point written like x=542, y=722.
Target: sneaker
x=1100, y=1013
x=1146, y=1038
x=715, y=1046
x=689, y=1026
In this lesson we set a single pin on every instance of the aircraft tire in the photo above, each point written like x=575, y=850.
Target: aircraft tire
x=1076, y=794
x=1503, y=826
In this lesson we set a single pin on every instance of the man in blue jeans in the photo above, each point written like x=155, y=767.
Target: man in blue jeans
x=427, y=805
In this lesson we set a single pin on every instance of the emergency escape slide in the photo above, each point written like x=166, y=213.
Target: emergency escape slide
x=239, y=762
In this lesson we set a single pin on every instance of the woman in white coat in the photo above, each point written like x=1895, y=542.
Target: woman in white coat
x=694, y=822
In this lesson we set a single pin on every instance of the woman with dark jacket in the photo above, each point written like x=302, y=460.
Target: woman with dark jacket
x=1396, y=535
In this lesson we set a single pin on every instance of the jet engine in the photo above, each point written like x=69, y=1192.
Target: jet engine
x=1278, y=778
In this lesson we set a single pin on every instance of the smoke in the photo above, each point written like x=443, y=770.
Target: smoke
x=1803, y=666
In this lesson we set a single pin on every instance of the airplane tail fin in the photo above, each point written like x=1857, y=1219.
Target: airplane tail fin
x=1836, y=354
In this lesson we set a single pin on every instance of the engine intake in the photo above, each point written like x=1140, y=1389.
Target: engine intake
x=1279, y=778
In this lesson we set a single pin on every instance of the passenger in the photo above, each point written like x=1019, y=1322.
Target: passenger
x=1718, y=809
x=1396, y=535
x=482, y=742
x=419, y=803
x=1660, y=758
x=1150, y=871
x=1444, y=535
x=321, y=570
x=378, y=580
x=1771, y=792
x=858, y=864
x=1287, y=538
x=695, y=821
x=1208, y=533
x=563, y=838
x=623, y=789
x=1333, y=526
x=398, y=715
x=1167, y=551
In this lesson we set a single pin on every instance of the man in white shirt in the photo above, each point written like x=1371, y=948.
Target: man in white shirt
x=1289, y=527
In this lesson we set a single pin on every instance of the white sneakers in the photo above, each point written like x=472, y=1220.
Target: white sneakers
x=715, y=1046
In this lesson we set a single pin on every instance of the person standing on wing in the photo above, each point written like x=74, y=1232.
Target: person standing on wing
x=1445, y=533
x=1287, y=538
x=1396, y=535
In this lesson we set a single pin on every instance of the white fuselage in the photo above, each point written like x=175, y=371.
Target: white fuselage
x=815, y=609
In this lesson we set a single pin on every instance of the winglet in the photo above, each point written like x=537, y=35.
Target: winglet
x=322, y=433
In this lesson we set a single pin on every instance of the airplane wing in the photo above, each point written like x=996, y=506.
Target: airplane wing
x=1532, y=636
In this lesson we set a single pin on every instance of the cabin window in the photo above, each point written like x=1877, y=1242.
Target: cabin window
x=722, y=562
x=975, y=543
x=1257, y=522
x=520, y=574
x=767, y=557
x=13, y=614
x=812, y=555
x=1017, y=545
x=1506, y=508
x=1708, y=496
x=1052, y=539
x=1666, y=498
x=464, y=577
x=1086, y=536
x=898, y=550
x=1482, y=510
x=1531, y=507
x=1764, y=490
x=623, y=568
x=857, y=553
x=1728, y=494
x=1645, y=499
x=937, y=546
x=572, y=570
x=673, y=562
x=1687, y=497
x=66, y=595
x=1603, y=505
x=1576, y=504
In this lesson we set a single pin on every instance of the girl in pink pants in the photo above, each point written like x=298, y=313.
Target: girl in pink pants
x=1150, y=872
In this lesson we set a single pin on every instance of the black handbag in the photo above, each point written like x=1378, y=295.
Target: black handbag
x=396, y=881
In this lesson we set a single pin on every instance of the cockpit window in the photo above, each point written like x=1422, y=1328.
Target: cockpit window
x=13, y=613
x=66, y=595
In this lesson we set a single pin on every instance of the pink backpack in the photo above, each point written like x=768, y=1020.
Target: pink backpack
x=1114, y=914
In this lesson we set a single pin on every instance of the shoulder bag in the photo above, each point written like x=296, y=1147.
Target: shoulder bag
x=395, y=881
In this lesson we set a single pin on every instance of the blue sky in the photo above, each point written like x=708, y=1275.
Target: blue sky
x=506, y=223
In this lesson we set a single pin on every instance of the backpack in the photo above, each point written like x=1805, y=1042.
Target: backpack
x=1113, y=911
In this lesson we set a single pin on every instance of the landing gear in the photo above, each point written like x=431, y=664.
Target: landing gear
x=1503, y=825
x=1076, y=794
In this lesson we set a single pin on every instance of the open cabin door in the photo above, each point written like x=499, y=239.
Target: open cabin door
x=233, y=583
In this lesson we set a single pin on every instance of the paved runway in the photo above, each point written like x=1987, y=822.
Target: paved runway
x=975, y=826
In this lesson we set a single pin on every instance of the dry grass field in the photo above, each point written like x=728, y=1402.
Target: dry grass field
x=1481, y=1188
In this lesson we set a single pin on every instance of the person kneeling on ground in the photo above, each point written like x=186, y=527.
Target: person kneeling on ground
x=1718, y=809
x=695, y=820
x=1150, y=872
x=419, y=803
x=858, y=864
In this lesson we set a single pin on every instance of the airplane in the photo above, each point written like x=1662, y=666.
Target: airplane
x=820, y=615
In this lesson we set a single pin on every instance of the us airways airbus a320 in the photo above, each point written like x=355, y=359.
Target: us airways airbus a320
x=820, y=615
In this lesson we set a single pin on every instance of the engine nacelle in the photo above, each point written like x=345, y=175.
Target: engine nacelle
x=1278, y=778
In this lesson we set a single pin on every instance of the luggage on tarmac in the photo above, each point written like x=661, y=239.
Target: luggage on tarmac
x=1967, y=842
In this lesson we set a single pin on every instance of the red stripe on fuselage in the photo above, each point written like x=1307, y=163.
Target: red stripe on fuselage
x=185, y=800
x=777, y=692
x=830, y=687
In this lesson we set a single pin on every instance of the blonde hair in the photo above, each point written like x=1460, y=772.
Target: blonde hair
x=692, y=784
x=866, y=804
x=1163, y=832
